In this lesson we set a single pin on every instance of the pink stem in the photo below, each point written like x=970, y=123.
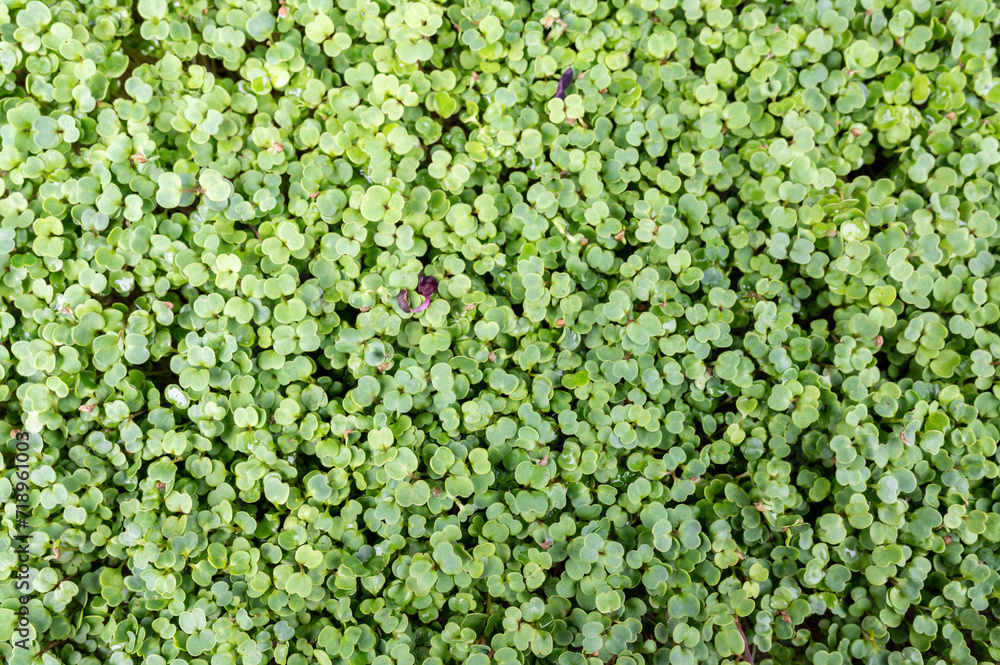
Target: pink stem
x=747, y=656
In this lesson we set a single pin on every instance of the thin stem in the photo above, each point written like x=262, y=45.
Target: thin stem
x=747, y=656
x=51, y=645
x=255, y=231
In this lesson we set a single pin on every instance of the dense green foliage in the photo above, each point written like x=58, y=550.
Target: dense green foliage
x=656, y=332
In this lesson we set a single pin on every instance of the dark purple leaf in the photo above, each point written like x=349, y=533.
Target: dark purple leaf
x=403, y=300
x=564, y=82
x=426, y=286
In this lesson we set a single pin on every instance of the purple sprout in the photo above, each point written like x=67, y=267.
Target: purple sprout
x=426, y=286
x=564, y=82
x=403, y=300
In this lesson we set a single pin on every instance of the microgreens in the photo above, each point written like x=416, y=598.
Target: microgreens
x=700, y=365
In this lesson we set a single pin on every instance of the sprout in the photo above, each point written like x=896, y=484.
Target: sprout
x=564, y=82
x=426, y=285
x=403, y=300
